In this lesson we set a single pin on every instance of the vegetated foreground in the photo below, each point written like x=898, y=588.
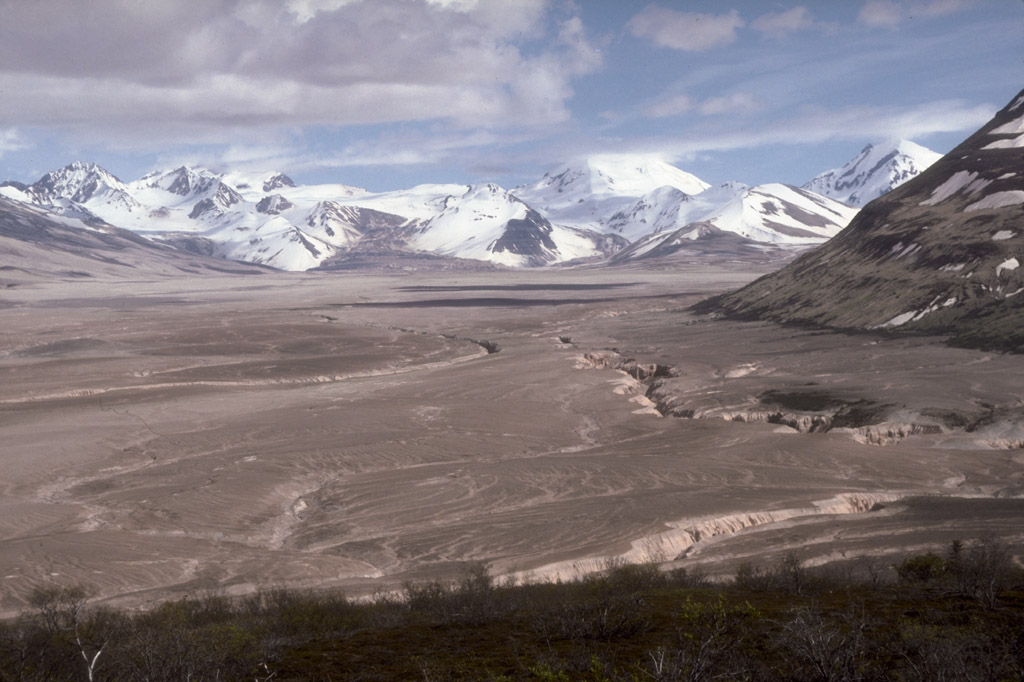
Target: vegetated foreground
x=169, y=437
x=959, y=616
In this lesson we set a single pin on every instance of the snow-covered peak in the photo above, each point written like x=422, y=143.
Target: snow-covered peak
x=771, y=213
x=183, y=181
x=478, y=215
x=616, y=175
x=78, y=182
x=201, y=192
x=487, y=222
x=587, y=192
x=781, y=214
x=877, y=169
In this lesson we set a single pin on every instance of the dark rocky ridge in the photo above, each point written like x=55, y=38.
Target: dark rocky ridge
x=529, y=236
x=278, y=181
x=273, y=204
x=905, y=254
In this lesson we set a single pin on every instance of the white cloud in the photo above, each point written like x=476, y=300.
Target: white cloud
x=404, y=147
x=934, y=8
x=781, y=24
x=410, y=148
x=677, y=104
x=890, y=13
x=737, y=102
x=11, y=141
x=673, y=105
x=687, y=31
x=201, y=68
x=812, y=126
x=304, y=10
x=880, y=13
x=850, y=123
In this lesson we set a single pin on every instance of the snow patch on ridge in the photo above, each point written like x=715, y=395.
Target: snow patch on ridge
x=1010, y=264
x=1015, y=128
x=998, y=200
x=898, y=320
x=966, y=181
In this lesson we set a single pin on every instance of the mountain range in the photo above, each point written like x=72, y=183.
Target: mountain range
x=599, y=207
x=39, y=245
x=941, y=253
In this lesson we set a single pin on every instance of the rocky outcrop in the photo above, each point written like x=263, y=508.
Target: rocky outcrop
x=273, y=204
x=664, y=390
x=686, y=535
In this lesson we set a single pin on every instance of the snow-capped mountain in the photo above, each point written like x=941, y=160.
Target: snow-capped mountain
x=782, y=214
x=254, y=186
x=345, y=226
x=585, y=210
x=942, y=253
x=873, y=172
x=587, y=193
x=698, y=241
x=82, y=184
x=273, y=221
x=200, y=193
x=37, y=243
x=502, y=229
x=771, y=214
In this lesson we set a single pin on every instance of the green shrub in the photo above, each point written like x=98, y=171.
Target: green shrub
x=921, y=569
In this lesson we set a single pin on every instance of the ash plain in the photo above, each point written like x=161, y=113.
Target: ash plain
x=165, y=436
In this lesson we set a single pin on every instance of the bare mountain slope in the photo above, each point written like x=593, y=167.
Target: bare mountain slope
x=939, y=254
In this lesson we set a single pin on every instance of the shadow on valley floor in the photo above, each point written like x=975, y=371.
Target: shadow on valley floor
x=502, y=302
x=522, y=287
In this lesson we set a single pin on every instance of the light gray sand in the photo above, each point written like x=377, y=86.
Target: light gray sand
x=166, y=436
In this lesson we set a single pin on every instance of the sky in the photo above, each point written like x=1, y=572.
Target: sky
x=386, y=94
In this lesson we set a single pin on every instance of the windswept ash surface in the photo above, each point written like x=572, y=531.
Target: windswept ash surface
x=164, y=436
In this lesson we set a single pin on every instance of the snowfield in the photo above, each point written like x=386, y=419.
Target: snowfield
x=998, y=200
x=961, y=181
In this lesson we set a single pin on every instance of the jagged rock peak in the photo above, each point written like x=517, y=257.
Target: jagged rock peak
x=185, y=181
x=277, y=181
x=77, y=181
x=273, y=204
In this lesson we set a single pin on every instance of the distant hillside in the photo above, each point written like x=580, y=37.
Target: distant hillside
x=37, y=243
x=939, y=254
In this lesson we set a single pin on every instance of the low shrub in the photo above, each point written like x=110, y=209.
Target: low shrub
x=787, y=622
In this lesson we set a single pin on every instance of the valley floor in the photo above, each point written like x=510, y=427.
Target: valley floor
x=359, y=430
